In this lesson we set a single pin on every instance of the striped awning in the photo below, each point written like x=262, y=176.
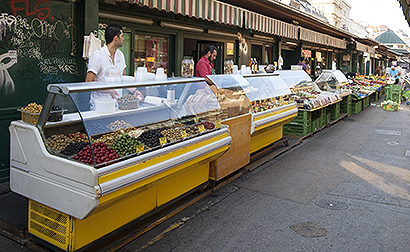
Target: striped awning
x=261, y=23
x=321, y=39
x=365, y=48
x=210, y=10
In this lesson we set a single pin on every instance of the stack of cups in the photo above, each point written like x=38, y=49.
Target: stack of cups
x=235, y=69
x=141, y=74
x=243, y=70
x=159, y=75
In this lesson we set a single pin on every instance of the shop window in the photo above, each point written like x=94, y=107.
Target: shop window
x=256, y=52
x=151, y=52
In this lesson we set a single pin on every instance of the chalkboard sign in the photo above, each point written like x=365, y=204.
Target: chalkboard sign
x=38, y=46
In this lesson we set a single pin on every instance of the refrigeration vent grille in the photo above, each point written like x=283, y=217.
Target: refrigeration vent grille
x=49, y=213
x=49, y=233
x=49, y=224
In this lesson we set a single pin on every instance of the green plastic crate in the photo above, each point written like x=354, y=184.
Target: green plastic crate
x=357, y=107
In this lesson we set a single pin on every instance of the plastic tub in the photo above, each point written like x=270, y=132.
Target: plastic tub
x=105, y=106
x=125, y=105
x=29, y=117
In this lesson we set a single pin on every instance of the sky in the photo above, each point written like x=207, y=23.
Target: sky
x=379, y=12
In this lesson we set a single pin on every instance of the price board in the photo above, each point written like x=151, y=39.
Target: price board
x=163, y=140
x=140, y=148
x=183, y=134
x=218, y=123
x=201, y=128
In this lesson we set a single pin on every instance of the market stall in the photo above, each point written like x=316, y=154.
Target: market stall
x=335, y=81
x=313, y=103
x=265, y=97
x=89, y=172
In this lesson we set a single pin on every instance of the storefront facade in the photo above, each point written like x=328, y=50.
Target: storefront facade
x=44, y=42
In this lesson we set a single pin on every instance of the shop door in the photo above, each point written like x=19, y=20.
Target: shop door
x=289, y=58
x=218, y=64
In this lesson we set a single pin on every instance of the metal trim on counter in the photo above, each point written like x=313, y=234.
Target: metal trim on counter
x=98, y=86
x=160, y=152
x=276, y=117
x=259, y=114
x=121, y=182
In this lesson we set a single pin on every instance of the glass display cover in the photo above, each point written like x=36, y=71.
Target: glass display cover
x=232, y=91
x=141, y=119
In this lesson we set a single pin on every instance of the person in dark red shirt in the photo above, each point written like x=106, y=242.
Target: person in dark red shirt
x=204, y=65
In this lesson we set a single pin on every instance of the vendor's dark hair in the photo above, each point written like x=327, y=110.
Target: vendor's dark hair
x=111, y=31
x=210, y=48
x=302, y=59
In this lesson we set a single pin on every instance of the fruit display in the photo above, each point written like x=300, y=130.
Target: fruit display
x=102, y=153
x=270, y=103
x=125, y=145
x=74, y=148
x=59, y=142
x=150, y=138
x=315, y=99
x=172, y=135
x=31, y=112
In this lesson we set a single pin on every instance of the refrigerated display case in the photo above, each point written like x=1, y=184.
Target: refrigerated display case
x=270, y=104
x=95, y=171
x=333, y=81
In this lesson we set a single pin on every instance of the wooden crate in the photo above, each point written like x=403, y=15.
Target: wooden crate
x=239, y=153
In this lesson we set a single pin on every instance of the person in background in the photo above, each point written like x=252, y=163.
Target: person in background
x=107, y=57
x=394, y=73
x=205, y=66
x=377, y=71
x=302, y=62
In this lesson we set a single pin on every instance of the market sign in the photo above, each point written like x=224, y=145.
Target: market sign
x=229, y=47
x=307, y=53
x=319, y=56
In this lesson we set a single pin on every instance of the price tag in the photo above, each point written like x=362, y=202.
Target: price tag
x=201, y=128
x=140, y=148
x=183, y=134
x=196, y=119
x=218, y=123
x=163, y=140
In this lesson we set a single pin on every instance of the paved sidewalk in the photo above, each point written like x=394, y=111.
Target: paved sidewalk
x=347, y=188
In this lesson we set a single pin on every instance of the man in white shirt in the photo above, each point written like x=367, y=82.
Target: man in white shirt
x=105, y=58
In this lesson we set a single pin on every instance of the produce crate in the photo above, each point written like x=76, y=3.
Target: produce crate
x=346, y=105
x=374, y=96
x=334, y=111
x=357, y=106
x=366, y=102
x=389, y=107
x=315, y=125
x=327, y=118
x=300, y=125
x=294, y=128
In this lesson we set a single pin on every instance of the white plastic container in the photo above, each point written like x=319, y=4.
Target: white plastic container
x=105, y=106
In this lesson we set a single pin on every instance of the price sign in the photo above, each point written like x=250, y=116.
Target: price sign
x=218, y=123
x=140, y=148
x=163, y=140
x=201, y=128
x=183, y=134
x=196, y=119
